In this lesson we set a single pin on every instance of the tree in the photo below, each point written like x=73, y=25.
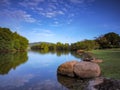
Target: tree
x=84, y=45
x=10, y=41
x=113, y=39
x=59, y=46
x=109, y=40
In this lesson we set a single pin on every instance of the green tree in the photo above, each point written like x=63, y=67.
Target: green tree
x=10, y=41
x=113, y=39
x=6, y=42
x=109, y=40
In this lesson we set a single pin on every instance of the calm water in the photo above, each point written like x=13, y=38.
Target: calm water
x=33, y=71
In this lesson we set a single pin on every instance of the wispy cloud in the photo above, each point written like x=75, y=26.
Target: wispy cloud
x=19, y=15
x=46, y=9
x=51, y=14
x=111, y=26
x=69, y=21
x=77, y=1
x=55, y=24
x=81, y=1
x=42, y=33
x=4, y=2
x=27, y=3
x=47, y=33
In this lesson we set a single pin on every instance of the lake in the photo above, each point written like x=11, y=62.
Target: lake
x=33, y=70
x=37, y=70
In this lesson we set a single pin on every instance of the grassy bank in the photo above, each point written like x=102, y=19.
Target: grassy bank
x=111, y=62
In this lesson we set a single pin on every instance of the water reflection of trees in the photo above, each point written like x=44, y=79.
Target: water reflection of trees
x=57, y=52
x=10, y=61
x=75, y=54
x=81, y=56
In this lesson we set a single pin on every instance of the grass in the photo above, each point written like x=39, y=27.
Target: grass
x=111, y=62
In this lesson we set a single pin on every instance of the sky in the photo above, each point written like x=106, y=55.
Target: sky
x=65, y=21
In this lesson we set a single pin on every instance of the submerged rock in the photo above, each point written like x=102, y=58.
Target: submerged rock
x=92, y=83
x=108, y=84
x=86, y=69
x=67, y=68
x=72, y=83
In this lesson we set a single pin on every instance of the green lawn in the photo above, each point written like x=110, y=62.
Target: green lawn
x=111, y=62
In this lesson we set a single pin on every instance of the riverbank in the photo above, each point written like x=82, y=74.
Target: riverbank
x=111, y=62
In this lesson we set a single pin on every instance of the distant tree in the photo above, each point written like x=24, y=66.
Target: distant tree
x=52, y=46
x=59, y=46
x=84, y=45
x=66, y=46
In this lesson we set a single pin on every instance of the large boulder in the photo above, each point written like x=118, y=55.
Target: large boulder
x=85, y=69
x=67, y=68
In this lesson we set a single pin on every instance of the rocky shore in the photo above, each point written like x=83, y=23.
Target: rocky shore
x=85, y=75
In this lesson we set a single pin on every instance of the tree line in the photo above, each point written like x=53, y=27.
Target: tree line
x=12, y=41
x=109, y=40
x=51, y=46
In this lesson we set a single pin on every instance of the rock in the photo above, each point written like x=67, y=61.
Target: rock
x=88, y=59
x=97, y=61
x=67, y=68
x=94, y=82
x=80, y=51
x=85, y=69
x=108, y=84
x=87, y=56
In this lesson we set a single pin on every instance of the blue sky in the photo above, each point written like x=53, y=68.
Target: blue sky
x=60, y=20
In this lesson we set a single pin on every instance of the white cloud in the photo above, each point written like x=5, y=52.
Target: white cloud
x=46, y=9
x=19, y=15
x=51, y=14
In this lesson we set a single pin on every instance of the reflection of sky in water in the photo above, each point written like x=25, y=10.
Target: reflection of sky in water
x=38, y=73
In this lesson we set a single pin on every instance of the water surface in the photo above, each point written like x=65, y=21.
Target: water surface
x=32, y=70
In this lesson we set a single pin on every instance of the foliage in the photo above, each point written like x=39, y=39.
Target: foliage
x=109, y=40
x=11, y=41
x=50, y=46
x=84, y=45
